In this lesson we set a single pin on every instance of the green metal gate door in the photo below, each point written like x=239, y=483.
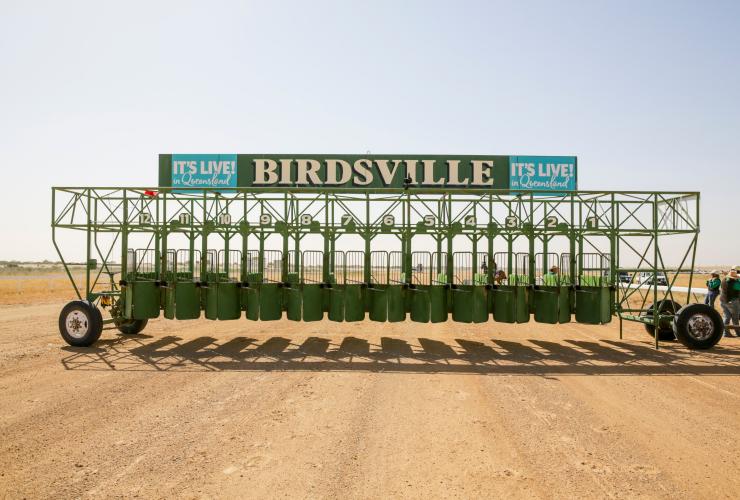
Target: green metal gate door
x=462, y=287
x=420, y=286
x=228, y=284
x=142, y=297
x=354, y=285
x=469, y=288
x=511, y=287
x=270, y=294
x=312, y=285
x=378, y=284
x=593, y=297
x=547, y=288
x=187, y=277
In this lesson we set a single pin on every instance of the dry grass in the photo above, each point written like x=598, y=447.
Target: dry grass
x=25, y=289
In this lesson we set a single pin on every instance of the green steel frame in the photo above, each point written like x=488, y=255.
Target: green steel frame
x=624, y=230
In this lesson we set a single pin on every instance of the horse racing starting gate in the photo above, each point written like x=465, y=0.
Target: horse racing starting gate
x=399, y=253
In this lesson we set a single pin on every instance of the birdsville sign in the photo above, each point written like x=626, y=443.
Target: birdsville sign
x=225, y=171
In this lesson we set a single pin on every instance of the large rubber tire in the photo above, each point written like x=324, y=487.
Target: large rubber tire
x=698, y=326
x=80, y=323
x=665, y=331
x=131, y=326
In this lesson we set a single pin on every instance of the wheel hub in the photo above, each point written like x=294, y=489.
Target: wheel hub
x=77, y=324
x=700, y=326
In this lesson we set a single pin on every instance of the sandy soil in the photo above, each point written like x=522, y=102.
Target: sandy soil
x=363, y=410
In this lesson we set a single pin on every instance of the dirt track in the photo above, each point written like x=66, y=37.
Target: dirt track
x=234, y=409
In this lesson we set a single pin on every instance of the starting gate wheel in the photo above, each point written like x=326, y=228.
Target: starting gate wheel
x=698, y=326
x=131, y=326
x=80, y=323
x=665, y=330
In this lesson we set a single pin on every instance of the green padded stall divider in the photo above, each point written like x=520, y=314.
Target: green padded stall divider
x=420, y=304
x=462, y=304
x=612, y=303
x=251, y=300
x=354, y=306
x=378, y=304
x=271, y=305
x=480, y=304
x=606, y=305
x=211, y=301
x=522, y=304
x=187, y=300
x=396, y=309
x=144, y=300
x=438, y=303
x=128, y=300
x=228, y=303
x=336, y=304
x=293, y=298
x=589, y=305
x=546, y=302
x=169, y=301
x=564, y=301
x=504, y=304
x=312, y=297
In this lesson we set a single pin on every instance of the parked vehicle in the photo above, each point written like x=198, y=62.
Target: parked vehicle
x=646, y=278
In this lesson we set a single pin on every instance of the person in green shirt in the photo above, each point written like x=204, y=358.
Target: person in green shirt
x=729, y=299
x=713, y=285
x=552, y=278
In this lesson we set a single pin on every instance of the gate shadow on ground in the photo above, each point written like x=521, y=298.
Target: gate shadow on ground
x=418, y=355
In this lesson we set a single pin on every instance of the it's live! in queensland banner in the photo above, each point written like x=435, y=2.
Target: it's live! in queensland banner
x=204, y=171
x=543, y=173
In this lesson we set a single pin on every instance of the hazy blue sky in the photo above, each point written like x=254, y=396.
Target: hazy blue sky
x=646, y=94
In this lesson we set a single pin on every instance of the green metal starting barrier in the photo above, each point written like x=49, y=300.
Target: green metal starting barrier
x=317, y=285
x=419, y=253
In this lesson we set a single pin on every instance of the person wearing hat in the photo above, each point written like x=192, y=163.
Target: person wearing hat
x=713, y=285
x=729, y=299
x=552, y=278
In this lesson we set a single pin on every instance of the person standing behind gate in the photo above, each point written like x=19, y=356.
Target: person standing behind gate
x=729, y=299
x=713, y=285
x=552, y=278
